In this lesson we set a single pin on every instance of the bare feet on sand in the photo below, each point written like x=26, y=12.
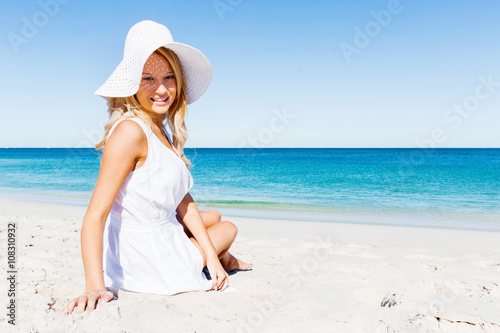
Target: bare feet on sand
x=230, y=263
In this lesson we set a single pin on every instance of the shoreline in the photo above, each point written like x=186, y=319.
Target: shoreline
x=18, y=208
x=357, y=218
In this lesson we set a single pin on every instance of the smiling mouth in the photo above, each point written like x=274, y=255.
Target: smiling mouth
x=161, y=100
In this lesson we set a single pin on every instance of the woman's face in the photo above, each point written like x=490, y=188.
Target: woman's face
x=158, y=86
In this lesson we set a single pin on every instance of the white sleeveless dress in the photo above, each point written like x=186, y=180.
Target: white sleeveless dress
x=145, y=248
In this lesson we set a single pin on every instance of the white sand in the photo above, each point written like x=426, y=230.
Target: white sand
x=307, y=277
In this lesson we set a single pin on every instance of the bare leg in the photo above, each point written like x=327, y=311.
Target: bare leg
x=211, y=218
x=230, y=263
x=222, y=236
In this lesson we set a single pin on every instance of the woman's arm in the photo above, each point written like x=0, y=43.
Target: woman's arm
x=122, y=152
x=189, y=213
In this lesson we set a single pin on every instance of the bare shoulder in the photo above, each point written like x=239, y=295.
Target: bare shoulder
x=123, y=151
x=129, y=128
x=128, y=137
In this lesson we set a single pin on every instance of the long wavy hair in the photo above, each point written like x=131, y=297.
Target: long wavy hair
x=128, y=107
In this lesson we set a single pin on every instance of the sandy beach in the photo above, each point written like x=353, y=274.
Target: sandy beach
x=307, y=277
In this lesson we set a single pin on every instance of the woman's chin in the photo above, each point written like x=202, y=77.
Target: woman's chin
x=158, y=109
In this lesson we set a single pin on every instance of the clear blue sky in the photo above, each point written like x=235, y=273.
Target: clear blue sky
x=347, y=79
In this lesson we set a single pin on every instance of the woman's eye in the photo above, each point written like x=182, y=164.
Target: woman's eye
x=147, y=78
x=170, y=77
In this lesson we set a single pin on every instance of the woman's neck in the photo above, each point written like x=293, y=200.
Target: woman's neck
x=157, y=120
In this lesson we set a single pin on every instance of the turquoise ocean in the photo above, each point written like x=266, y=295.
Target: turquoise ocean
x=444, y=188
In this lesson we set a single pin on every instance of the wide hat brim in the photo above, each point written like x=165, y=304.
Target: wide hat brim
x=142, y=40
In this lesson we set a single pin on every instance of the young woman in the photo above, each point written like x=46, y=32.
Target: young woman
x=142, y=231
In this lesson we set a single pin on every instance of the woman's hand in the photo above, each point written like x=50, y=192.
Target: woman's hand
x=218, y=274
x=87, y=301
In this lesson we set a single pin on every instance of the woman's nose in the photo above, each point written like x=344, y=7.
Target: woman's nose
x=161, y=89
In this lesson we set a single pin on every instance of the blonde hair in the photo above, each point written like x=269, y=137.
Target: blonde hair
x=128, y=107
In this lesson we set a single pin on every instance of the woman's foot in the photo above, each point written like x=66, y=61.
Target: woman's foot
x=231, y=263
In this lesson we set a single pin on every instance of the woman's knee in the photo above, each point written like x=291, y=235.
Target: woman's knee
x=231, y=228
x=216, y=216
x=210, y=217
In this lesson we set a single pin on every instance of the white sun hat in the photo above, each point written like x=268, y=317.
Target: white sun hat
x=142, y=40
